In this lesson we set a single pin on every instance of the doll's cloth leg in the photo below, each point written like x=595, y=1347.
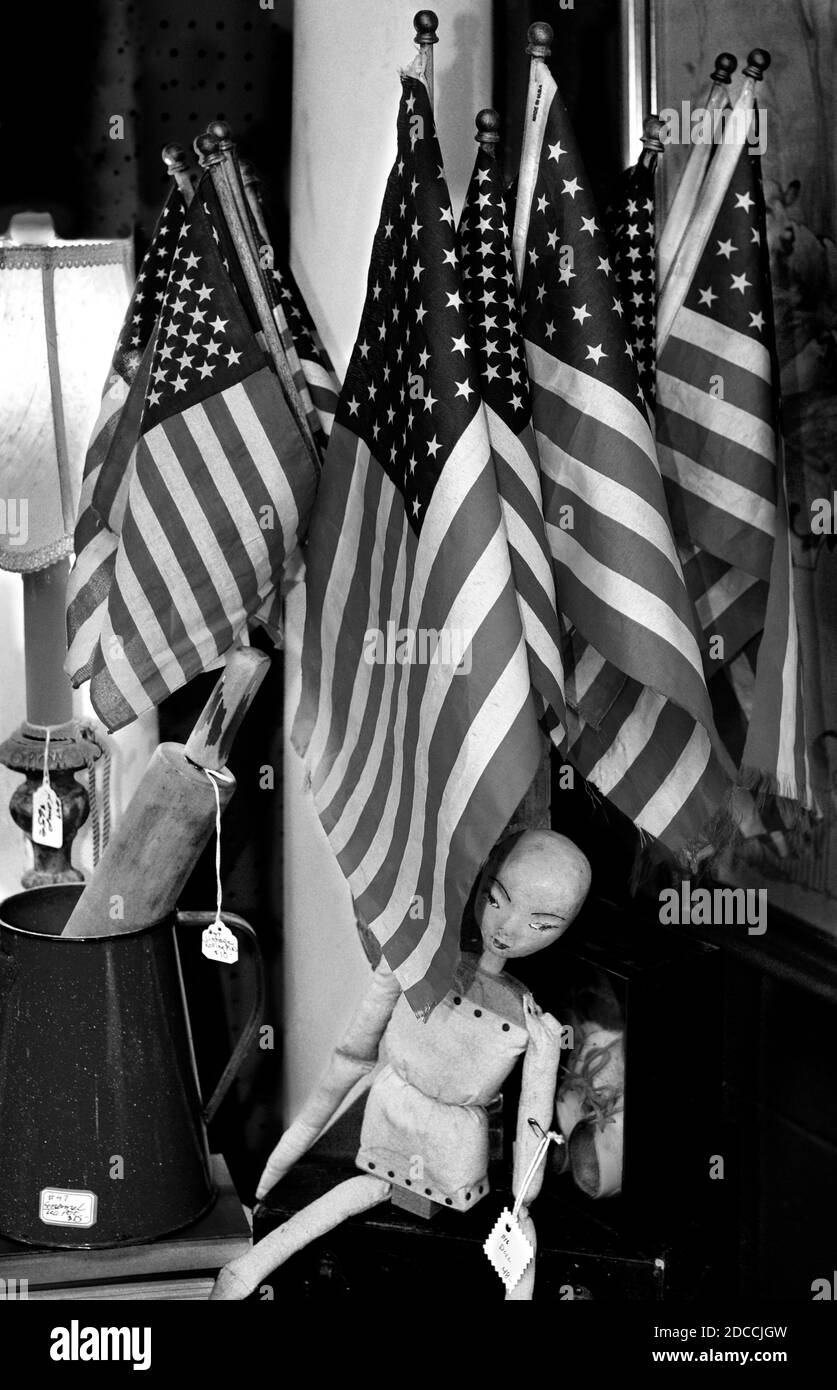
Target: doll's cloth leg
x=353, y=1058
x=240, y=1277
x=524, y=1289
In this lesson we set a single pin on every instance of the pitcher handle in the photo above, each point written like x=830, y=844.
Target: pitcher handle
x=238, y=924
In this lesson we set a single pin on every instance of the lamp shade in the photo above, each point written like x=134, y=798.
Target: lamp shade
x=61, y=309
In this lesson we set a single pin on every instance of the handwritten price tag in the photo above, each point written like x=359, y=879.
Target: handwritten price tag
x=219, y=943
x=61, y=1206
x=508, y=1249
x=47, y=818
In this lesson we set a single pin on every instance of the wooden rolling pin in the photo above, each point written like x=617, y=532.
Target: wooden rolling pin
x=171, y=814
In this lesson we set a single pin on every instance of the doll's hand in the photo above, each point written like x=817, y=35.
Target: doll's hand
x=544, y=1030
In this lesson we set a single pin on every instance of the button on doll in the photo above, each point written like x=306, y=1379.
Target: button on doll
x=425, y=1128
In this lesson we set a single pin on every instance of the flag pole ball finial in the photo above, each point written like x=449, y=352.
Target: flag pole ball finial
x=222, y=132
x=725, y=65
x=206, y=148
x=651, y=127
x=757, y=63
x=174, y=158
x=540, y=38
x=426, y=22
x=488, y=128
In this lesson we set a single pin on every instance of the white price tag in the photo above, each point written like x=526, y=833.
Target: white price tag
x=47, y=817
x=60, y=1206
x=508, y=1249
x=219, y=943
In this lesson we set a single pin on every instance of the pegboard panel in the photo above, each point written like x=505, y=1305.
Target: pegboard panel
x=165, y=68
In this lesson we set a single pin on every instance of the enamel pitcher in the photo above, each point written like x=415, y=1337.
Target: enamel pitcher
x=102, y=1127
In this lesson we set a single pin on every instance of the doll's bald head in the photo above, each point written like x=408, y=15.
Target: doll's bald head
x=531, y=889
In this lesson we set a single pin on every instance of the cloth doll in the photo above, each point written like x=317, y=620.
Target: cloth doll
x=425, y=1127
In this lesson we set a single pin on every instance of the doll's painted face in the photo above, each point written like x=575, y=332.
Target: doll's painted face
x=528, y=897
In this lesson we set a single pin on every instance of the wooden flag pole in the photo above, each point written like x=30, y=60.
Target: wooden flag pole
x=685, y=197
x=249, y=187
x=176, y=161
x=253, y=191
x=712, y=192
x=210, y=157
x=426, y=23
x=488, y=131
x=540, y=37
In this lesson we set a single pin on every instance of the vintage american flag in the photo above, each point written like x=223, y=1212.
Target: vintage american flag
x=416, y=761
x=219, y=488
x=644, y=732
x=111, y=446
x=316, y=380
x=720, y=452
x=489, y=290
x=631, y=227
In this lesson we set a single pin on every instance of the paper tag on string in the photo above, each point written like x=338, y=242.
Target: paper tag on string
x=47, y=817
x=508, y=1249
x=219, y=943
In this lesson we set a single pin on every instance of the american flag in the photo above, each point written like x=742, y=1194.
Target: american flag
x=643, y=732
x=316, y=376
x=631, y=226
x=720, y=453
x=415, y=766
x=111, y=446
x=489, y=291
x=219, y=488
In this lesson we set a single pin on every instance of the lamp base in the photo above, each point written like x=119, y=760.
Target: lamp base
x=69, y=750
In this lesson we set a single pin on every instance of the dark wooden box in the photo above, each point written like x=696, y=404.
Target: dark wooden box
x=666, y=985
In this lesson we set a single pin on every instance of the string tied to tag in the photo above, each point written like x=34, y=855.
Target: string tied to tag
x=218, y=942
x=547, y=1138
x=218, y=891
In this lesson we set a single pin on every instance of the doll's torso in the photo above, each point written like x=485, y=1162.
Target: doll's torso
x=425, y=1126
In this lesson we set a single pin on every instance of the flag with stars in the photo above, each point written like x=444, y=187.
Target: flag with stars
x=416, y=719
x=642, y=729
x=489, y=290
x=313, y=373
x=111, y=445
x=721, y=456
x=219, y=488
x=631, y=225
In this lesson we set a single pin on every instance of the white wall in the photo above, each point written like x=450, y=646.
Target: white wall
x=347, y=56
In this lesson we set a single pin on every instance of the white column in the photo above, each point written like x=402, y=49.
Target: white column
x=347, y=57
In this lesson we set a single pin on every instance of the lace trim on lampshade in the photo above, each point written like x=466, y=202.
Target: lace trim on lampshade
x=63, y=257
x=25, y=561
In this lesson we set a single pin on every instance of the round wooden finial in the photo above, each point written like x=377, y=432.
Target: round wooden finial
x=540, y=38
x=206, y=148
x=651, y=127
x=757, y=64
x=175, y=159
x=426, y=22
x=488, y=129
x=725, y=65
x=222, y=133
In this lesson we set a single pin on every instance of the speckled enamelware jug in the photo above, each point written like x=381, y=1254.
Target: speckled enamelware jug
x=102, y=1127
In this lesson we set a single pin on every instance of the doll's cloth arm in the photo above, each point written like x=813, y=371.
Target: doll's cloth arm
x=537, y=1098
x=537, y=1094
x=354, y=1057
